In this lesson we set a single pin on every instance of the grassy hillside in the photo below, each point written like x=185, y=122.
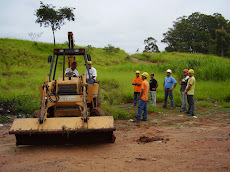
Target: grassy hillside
x=24, y=67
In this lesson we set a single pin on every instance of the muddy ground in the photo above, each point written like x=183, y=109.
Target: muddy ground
x=169, y=141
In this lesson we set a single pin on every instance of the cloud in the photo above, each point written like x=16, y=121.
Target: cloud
x=124, y=24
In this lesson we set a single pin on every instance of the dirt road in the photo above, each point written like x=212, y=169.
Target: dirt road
x=201, y=147
x=140, y=61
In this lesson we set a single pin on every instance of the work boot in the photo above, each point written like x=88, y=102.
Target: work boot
x=182, y=110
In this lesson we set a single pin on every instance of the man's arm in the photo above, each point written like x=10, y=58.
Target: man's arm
x=77, y=74
x=189, y=86
x=136, y=83
x=164, y=86
x=175, y=83
x=94, y=74
x=139, y=82
x=66, y=71
x=174, y=86
x=142, y=91
x=157, y=85
x=182, y=81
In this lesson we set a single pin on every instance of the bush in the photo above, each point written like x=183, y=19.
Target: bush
x=208, y=69
x=115, y=111
x=111, y=49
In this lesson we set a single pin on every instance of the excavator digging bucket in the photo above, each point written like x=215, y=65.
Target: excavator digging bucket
x=63, y=130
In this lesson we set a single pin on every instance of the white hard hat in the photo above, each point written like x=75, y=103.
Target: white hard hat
x=169, y=71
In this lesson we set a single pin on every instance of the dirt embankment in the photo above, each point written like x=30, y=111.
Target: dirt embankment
x=140, y=61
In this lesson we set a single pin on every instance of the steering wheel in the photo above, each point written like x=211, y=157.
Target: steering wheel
x=70, y=74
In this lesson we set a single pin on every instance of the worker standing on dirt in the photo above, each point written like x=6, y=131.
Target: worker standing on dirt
x=190, y=92
x=183, y=84
x=168, y=87
x=72, y=70
x=152, y=90
x=142, y=103
x=91, y=77
x=137, y=87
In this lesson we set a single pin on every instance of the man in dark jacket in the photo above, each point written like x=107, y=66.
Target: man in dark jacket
x=152, y=90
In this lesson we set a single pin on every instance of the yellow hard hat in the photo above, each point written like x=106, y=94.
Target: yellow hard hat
x=137, y=71
x=145, y=74
x=89, y=62
x=191, y=71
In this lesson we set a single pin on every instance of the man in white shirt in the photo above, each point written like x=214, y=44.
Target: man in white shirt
x=91, y=77
x=72, y=70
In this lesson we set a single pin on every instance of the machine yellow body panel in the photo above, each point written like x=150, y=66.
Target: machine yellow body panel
x=63, y=124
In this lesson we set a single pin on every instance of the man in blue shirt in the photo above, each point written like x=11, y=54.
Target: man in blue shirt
x=168, y=86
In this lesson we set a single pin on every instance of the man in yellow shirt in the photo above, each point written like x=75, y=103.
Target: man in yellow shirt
x=137, y=87
x=190, y=92
x=142, y=104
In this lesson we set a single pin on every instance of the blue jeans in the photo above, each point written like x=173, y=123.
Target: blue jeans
x=91, y=81
x=168, y=93
x=183, y=100
x=142, y=106
x=136, y=96
x=191, y=105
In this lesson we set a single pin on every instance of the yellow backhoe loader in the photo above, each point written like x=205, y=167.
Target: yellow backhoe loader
x=70, y=108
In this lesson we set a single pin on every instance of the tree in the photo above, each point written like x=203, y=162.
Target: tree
x=34, y=36
x=90, y=48
x=48, y=16
x=111, y=49
x=151, y=46
x=222, y=42
x=195, y=33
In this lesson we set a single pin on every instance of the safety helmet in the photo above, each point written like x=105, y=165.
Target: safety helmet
x=191, y=71
x=169, y=71
x=137, y=71
x=185, y=70
x=145, y=74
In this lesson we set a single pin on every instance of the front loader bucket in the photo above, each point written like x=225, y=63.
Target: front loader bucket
x=63, y=130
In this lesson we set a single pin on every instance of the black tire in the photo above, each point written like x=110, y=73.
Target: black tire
x=97, y=112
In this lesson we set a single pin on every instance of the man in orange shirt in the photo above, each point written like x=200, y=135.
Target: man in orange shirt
x=142, y=104
x=137, y=87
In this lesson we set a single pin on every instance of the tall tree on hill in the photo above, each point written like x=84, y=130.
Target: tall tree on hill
x=195, y=33
x=151, y=46
x=48, y=16
x=222, y=42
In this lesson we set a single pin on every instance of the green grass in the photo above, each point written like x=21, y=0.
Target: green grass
x=24, y=67
x=204, y=104
x=165, y=57
x=207, y=67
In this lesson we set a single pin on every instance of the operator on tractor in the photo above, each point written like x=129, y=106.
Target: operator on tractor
x=72, y=70
x=91, y=77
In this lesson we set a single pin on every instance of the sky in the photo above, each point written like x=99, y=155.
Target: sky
x=122, y=23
